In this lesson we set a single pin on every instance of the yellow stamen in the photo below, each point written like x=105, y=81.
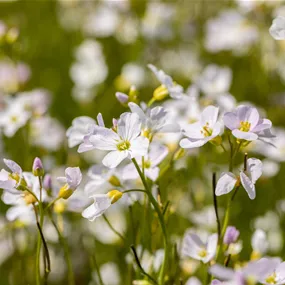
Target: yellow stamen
x=114, y=195
x=123, y=145
x=244, y=126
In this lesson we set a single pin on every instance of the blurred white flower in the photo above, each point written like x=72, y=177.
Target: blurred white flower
x=230, y=31
x=13, y=117
x=201, y=132
x=102, y=21
x=259, y=242
x=47, y=132
x=12, y=76
x=277, y=29
x=215, y=80
x=195, y=248
x=157, y=21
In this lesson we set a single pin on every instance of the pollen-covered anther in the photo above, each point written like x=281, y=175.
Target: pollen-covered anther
x=244, y=126
x=114, y=195
x=123, y=145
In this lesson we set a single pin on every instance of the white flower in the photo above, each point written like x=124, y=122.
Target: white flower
x=47, y=132
x=72, y=180
x=215, y=80
x=199, y=133
x=157, y=153
x=230, y=31
x=155, y=120
x=13, y=117
x=175, y=91
x=81, y=126
x=245, y=123
x=277, y=29
x=195, y=248
x=101, y=203
x=228, y=181
x=125, y=143
x=259, y=242
x=10, y=181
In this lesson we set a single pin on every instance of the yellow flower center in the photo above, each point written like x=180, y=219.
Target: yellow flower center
x=206, y=130
x=14, y=119
x=271, y=279
x=202, y=253
x=244, y=126
x=115, y=181
x=123, y=145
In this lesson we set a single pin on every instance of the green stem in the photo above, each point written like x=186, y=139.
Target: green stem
x=71, y=280
x=113, y=229
x=161, y=221
x=140, y=266
x=95, y=265
x=51, y=203
x=151, y=101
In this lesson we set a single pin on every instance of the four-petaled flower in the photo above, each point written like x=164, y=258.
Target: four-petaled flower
x=246, y=124
x=195, y=248
x=125, y=142
x=206, y=129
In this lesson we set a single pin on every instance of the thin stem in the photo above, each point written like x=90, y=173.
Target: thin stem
x=51, y=203
x=94, y=264
x=151, y=101
x=140, y=266
x=223, y=147
x=134, y=190
x=113, y=229
x=165, y=207
x=32, y=193
x=161, y=220
x=62, y=240
x=216, y=205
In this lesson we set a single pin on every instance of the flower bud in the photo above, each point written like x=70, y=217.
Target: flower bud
x=179, y=154
x=59, y=207
x=160, y=93
x=133, y=94
x=122, y=98
x=38, y=169
x=231, y=235
x=115, y=181
x=114, y=195
x=47, y=183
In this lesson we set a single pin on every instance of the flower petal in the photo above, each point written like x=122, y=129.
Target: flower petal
x=249, y=136
x=114, y=158
x=226, y=183
x=248, y=185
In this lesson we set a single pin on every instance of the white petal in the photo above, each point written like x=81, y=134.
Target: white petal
x=222, y=272
x=254, y=167
x=114, y=158
x=129, y=126
x=211, y=247
x=14, y=167
x=137, y=109
x=225, y=184
x=187, y=143
x=139, y=146
x=248, y=185
x=104, y=139
x=193, y=131
x=245, y=135
x=192, y=245
x=209, y=115
x=101, y=204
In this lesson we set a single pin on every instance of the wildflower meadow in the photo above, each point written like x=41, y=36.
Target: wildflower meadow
x=142, y=142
